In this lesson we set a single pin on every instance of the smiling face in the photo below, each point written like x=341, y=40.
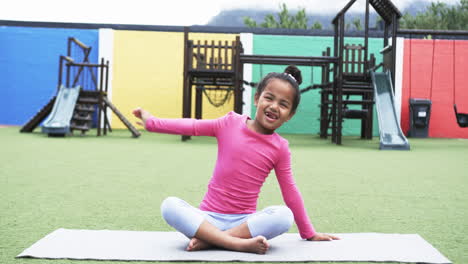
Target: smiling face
x=274, y=106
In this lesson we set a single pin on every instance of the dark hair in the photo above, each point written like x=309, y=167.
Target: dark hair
x=292, y=75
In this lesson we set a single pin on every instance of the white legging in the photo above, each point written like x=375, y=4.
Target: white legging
x=269, y=222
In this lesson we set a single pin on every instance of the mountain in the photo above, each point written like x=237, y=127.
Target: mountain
x=234, y=17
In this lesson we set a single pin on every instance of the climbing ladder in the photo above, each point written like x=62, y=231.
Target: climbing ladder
x=83, y=115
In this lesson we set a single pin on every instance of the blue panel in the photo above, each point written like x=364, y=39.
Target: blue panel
x=29, y=62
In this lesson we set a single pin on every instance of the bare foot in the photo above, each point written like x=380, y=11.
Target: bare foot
x=257, y=245
x=196, y=244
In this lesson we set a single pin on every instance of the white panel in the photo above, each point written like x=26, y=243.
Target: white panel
x=106, y=51
x=399, y=75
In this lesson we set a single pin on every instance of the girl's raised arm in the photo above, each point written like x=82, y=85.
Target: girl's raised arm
x=178, y=126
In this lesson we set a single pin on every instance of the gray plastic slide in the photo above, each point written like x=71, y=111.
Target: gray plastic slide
x=391, y=136
x=58, y=122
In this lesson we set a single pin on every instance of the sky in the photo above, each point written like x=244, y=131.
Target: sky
x=159, y=12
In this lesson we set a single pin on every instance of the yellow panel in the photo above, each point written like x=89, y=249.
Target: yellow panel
x=147, y=73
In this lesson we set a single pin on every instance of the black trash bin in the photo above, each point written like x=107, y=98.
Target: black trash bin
x=420, y=114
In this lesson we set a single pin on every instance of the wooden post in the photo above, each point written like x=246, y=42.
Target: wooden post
x=339, y=102
x=102, y=94
x=366, y=37
x=238, y=76
x=186, y=99
x=226, y=56
x=335, y=78
x=198, y=102
x=394, y=41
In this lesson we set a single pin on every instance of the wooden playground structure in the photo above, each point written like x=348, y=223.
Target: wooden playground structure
x=219, y=67
x=92, y=100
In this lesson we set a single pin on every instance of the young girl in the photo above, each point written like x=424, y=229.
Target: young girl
x=247, y=151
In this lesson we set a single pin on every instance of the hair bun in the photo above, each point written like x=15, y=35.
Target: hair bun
x=295, y=72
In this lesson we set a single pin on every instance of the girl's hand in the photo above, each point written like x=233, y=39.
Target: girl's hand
x=323, y=237
x=137, y=112
x=142, y=115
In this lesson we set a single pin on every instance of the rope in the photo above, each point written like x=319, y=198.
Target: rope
x=432, y=68
x=454, y=64
x=314, y=86
x=410, y=64
x=213, y=97
x=311, y=74
x=261, y=71
x=303, y=90
x=251, y=84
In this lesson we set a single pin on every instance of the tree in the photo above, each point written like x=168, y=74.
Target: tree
x=357, y=23
x=248, y=21
x=439, y=16
x=316, y=25
x=283, y=20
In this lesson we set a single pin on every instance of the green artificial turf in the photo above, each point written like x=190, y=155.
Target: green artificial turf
x=118, y=182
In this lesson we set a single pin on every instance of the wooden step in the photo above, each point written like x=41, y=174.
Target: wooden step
x=355, y=113
x=88, y=100
x=350, y=91
x=354, y=77
x=82, y=127
x=89, y=93
x=356, y=102
x=86, y=117
x=357, y=86
x=84, y=108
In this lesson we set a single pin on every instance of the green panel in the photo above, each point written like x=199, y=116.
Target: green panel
x=306, y=120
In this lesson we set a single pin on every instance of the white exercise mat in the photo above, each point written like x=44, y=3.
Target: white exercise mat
x=170, y=246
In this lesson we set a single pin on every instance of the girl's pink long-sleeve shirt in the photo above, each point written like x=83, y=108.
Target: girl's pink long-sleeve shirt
x=245, y=159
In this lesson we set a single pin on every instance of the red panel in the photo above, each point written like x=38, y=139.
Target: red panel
x=436, y=70
x=417, y=71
